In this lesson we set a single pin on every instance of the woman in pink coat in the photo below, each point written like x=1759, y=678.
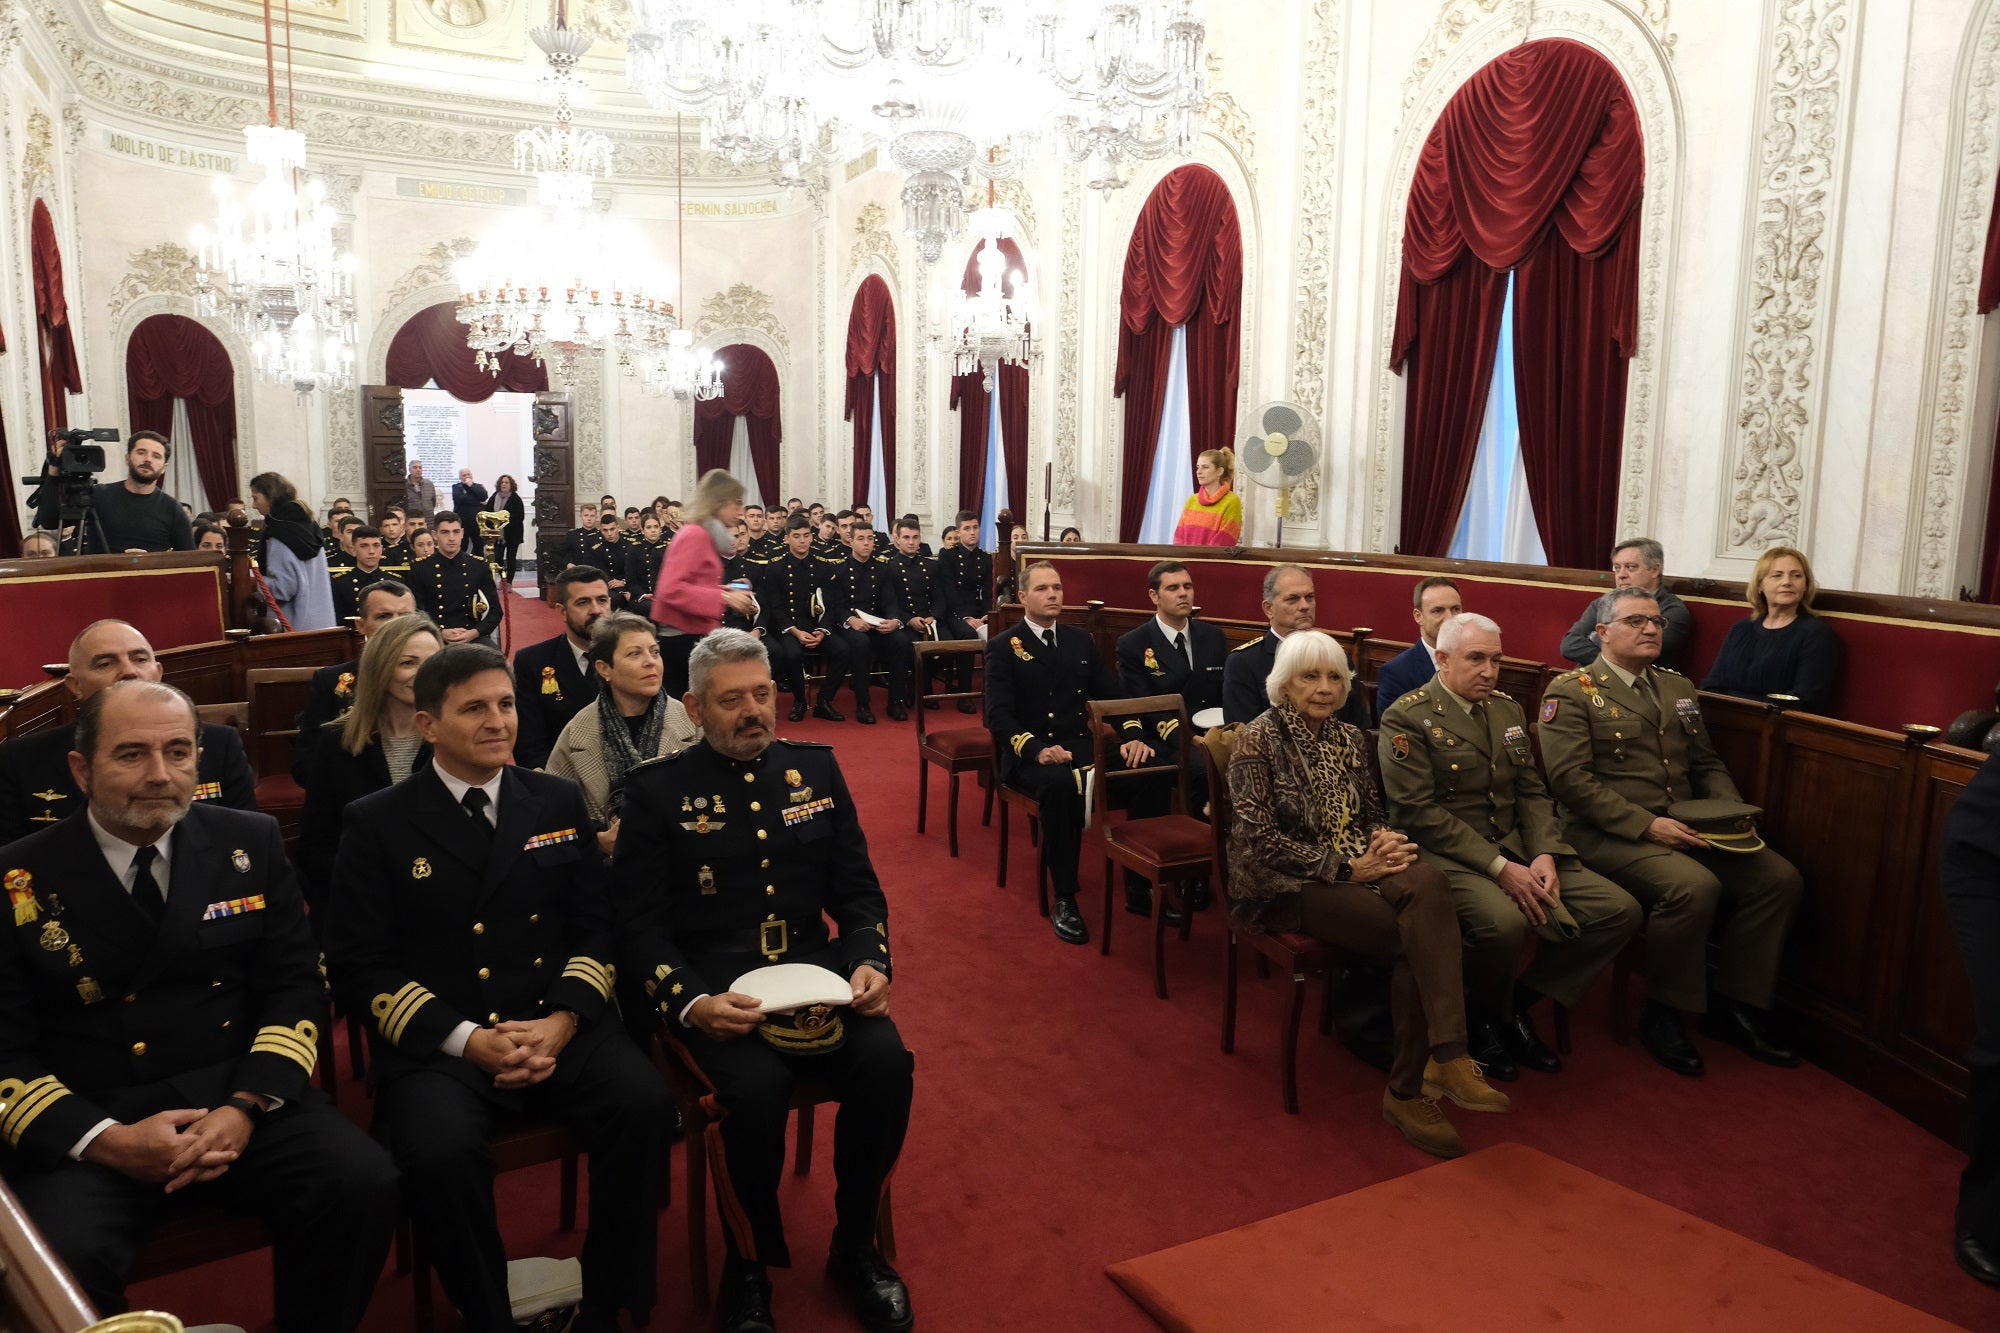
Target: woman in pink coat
x=689, y=599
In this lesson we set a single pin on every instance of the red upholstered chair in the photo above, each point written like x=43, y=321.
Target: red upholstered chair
x=1171, y=850
x=699, y=1118
x=277, y=697
x=967, y=749
x=1300, y=955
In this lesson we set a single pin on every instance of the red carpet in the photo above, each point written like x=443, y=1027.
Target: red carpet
x=1067, y=1120
x=1415, y=1251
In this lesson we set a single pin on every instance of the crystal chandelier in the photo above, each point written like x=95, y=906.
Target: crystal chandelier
x=271, y=265
x=678, y=369
x=562, y=279
x=995, y=323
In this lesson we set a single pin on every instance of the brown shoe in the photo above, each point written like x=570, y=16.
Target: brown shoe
x=1461, y=1081
x=1422, y=1123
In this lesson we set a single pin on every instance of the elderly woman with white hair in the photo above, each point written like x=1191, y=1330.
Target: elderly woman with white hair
x=1311, y=850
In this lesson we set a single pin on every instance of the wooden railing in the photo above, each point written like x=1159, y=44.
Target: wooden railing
x=37, y=1294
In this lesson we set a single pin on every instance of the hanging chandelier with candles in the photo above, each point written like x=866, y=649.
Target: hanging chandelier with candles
x=561, y=278
x=678, y=369
x=995, y=323
x=270, y=264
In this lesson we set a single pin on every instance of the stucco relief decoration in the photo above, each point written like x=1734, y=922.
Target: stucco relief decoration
x=166, y=268
x=1069, y=327
x=1458, y=17
x=872, y=240
x=1223, y=114
x=821, y=245
x=10, y=30
x=585, y=381
x=1782, y=338
x=1312, y=259
x=435, y=267
x=38, y=163
x=343, y=430
x=741, y=307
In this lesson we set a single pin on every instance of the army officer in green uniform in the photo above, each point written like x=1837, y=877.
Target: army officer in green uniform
x=1462, y=784
x=1623, y=740
x=735, y=855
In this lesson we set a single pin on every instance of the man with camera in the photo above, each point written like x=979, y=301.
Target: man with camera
x=134, y=516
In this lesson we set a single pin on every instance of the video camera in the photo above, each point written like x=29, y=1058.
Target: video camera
x=76, y=467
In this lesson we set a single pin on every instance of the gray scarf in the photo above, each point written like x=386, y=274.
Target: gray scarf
x=621, y=756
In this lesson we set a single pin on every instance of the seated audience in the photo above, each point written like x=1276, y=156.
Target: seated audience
x=864, y=612
x=1462, y=783
x=207, y=537
x=642, y=564
x=1436, y=601
x=183, y=923
x=1311, y=850
x=1040, y=677
x=36, y=786
x=471, y=925
x=39, y=545
x=455, y=588
x=630, y=721
x=1625, y=745
x=1071, y=537
x=965, y=579
x=912, y=575
x=1214, y=513
x=1636, y=562
x=1290, y=605
x=421, y=546
x=292, y=555
x=701, y=901
x=353, y=579
x=578, y=539
x=373, y=745
x=788, y=590
x=1782, y=648
x=560, y=682
x=332, y=687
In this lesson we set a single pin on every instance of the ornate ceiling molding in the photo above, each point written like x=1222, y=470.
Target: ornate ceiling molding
x=166, y=268
x=1312, y=254
x=1630, y=44
x=741, y=307
x=1790, y=257
x=1941, y=500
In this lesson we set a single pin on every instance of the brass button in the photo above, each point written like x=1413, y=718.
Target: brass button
x=770, y=890
x=225, y=1022
x=761, y=835
x=772, y=917
x=538, y=962
x=493, y=1018
x=484, y=973
x=756, y=806
x=749, y=777
x=138, y=1048
x=130, y=999
x=479, y=927
x=765, y=864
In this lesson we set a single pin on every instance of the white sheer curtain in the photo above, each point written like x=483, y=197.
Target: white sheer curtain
x=1173, y=480
x=183, y=479
x=740, y=466
x=996, y=474
x=1498, y=522
x=878, y=473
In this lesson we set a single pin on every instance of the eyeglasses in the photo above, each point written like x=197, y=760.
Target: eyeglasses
x=1640, y=622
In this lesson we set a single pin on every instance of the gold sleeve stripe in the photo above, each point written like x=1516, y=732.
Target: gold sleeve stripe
x=298, y=1044
x=1169, y=727
x=393, y=1012
x=1019, y=740
x=592, y=973
x=21, y=1103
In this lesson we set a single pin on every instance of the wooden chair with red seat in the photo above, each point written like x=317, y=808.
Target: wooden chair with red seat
x=1170, y=850
x=277, y=697
x=966, y=749
x=694, y=1099
x=1300, y=955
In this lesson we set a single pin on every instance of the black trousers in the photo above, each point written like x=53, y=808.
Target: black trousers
x=326, y=1191
x=871, y=1075
x=437, y=1127
x=509, y=553
x=788, y=661
x=864, y=650
x=1058, y=792
x=1973, y=905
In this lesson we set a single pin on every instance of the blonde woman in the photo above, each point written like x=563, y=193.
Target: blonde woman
x=374, y=744
x=1214, y=513
x=688, y=598
x=1781, y=648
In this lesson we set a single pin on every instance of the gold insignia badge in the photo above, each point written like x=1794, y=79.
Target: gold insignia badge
x=50, y=796
x=241, y=860
x=420, y=869
x=1152, y=662
x=701, y=823
x=1399, y=746
x=792, y=778
x=88, y=991
x=345, y=685
x=707, y=879
x=54, y=938
x=549, y=685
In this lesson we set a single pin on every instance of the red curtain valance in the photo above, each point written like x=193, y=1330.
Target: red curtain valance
x=56, y=349
x=431, y=346
x=750, y=390
x=871, y=350
x=1016, y=264
x=172, y=356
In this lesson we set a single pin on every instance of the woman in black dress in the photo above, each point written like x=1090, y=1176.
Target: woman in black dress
x=1782, y=648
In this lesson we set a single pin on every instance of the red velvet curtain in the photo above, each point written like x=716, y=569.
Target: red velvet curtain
x=973, y=405
x=871, y=350
x=431, y=346
x=60, y=368
x=749, y=389
x=1537, y=165
x=172, y=356
x=1989, y=296
x=10, y=512
x=1184, y=266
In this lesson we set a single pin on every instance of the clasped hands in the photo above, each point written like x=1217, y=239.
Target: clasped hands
x=175, y=1148
x=1134, y=753
x=521, y=1052
x=733, y=1013
x=1389, y=853
x=1534, y=887
x=884, y=627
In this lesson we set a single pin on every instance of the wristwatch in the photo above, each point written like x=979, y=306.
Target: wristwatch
x=1343, y=872
x=249, y=1108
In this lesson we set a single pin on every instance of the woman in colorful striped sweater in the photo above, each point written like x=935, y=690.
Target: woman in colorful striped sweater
x=1214, y=513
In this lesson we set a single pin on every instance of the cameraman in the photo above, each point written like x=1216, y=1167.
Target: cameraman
x=133, y=516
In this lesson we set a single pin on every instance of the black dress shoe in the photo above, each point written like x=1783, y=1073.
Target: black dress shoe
x=1665, y=1035
x=1526, y=1046
x=968, y=705
x=1747, y=1030
x=1068, y=922
x=898, y=713
x=825, y=710
x=798, y=713
x=1139, y=902
x=864, y=715
x=881, y=1301
x=1486, y=1047
x=1977, y=1259
x=745, y=1303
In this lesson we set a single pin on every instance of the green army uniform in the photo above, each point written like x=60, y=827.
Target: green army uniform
x=1463, y=786
x=1617, y=755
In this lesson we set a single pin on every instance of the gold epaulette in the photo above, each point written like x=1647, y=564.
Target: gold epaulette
x=1669, y=670
x=1502, y=694
x=1252, y=644
x=1416, y=696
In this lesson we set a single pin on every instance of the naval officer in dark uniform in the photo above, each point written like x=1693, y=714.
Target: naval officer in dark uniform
x=735, y=854
x=1290, y=605
x=555, y=676
x=455, y=589
x=788, y=589
x=160, y=1007
x=1039, y=678
x=913, y=579
x=36, y=785
x=471, y=925
x=965, y=578
x=858, y=586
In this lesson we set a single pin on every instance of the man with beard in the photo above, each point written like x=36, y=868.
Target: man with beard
x=134, y=516
x=555, y=675
x=161, y=918
x=734, y=854
x=36, y=786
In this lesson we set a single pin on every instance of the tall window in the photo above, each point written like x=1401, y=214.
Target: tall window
x=1498, y=521
x=1178, y=345
x=180, y=382
x=1521, y=218
x=871, y=396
